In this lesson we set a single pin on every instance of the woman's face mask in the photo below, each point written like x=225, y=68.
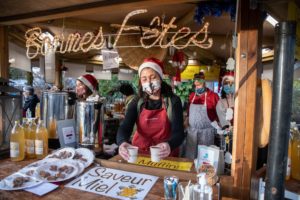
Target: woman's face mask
x=200, y=90
x=151, y=87
x=228, y=89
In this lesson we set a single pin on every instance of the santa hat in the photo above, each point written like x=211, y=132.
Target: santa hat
x=228, y=72
x=90, y=81
x=229, y=75
x=154, y=64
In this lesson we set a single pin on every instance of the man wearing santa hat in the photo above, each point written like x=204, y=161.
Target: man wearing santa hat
x=157, y=113
x=87, y=87
x=201, y=114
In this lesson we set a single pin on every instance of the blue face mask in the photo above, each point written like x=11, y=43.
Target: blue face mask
x=200, y=90
x=228, y=89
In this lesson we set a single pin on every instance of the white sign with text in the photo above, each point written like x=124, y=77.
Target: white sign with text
x=110, y=59
x=114, y=183
x=69, y=134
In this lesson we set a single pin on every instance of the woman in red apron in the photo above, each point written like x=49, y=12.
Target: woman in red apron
x=157, y=113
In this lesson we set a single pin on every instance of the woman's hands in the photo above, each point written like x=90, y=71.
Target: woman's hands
x=123, y=150
x=164, y=152
x=165, y=149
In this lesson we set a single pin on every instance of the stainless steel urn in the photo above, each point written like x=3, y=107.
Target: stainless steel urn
x=89, y=124
x=56, y=106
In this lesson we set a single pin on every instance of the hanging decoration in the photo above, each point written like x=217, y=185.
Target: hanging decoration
x=36, y=42
x=178, y=62
x=228, y=71
x=214, y=8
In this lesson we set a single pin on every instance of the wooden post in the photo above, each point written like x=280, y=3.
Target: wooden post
x=4, y=67
x=248, y=70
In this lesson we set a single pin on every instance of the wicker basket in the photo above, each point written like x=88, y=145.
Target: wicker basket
x=134, y=56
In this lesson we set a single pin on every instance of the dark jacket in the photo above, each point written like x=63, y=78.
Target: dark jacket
x=30, y=103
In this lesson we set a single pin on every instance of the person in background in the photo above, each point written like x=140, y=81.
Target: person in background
x=151, y=112
x=87, y=88
x=30, y=102
x=225, y=114
x=226, y=103
x=201, y=114
x=127, y=90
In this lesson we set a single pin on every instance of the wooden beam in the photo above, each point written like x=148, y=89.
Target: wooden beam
x=4, y=66
x=187, y=19
x=248, y=69
x=104, y=7
x=278, y=10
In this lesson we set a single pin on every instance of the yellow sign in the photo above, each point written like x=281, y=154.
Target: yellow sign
x=167, y=164
x=211, y=73
x=189, y=72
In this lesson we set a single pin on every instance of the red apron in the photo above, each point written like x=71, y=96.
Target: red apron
x=153, y=127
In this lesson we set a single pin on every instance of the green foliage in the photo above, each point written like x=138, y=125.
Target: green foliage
x=110, y=87
x=183, y=90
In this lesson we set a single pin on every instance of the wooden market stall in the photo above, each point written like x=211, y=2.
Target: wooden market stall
x=242, y=182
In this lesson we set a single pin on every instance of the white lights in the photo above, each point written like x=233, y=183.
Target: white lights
x=38, y=42
x=271, y=20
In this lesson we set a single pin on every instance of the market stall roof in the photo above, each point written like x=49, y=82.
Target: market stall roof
x=87, y=15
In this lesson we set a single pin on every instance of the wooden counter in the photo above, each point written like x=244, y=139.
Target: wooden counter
x=8, y=167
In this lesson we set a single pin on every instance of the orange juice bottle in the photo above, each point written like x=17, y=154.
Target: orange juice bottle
x=25, y=126
x=38, y=110
x=41, y=141
x=296, y=154
x=29, y=140
x=17, y=142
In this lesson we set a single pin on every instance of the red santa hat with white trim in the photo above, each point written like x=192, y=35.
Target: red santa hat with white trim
x=229, y=74
x=154, y=64
x=90, y=81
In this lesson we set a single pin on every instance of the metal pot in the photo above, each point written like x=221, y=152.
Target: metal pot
x=56, y=106
x=89, y=123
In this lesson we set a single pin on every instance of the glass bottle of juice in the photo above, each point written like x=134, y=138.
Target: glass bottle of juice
x=41, y=141
x=295, y=170
x=29, y=140
x=17, y=142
